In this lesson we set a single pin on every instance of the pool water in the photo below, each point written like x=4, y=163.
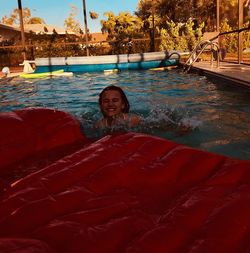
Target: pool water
x=217, y=115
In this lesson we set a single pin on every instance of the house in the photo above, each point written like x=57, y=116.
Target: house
x=9, y=32
x=11, y=36
x=46, y=29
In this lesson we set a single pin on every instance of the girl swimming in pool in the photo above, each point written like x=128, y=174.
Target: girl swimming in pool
x=115, y=107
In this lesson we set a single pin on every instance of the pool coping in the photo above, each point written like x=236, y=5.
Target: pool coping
x=232, y=74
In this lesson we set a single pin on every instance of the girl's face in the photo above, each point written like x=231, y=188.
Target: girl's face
x=111, y=103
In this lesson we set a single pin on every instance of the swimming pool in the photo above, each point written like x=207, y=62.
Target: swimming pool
x=218, y=115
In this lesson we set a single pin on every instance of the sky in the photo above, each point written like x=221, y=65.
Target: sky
x=54, y=12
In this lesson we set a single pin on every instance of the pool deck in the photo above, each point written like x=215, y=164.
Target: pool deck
x=233, y=73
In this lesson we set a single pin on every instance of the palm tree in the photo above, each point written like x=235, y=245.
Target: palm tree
x=22, y=27
x=86, y=26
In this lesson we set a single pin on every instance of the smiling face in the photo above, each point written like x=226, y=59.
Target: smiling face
x=111, y=103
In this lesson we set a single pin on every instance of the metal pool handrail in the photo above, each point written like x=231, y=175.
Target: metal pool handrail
x=198, y=50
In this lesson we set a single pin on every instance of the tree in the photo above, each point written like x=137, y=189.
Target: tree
x=71, y=23
x=123, y=26
x=93, y=15
x=166, y=10
x=229, y=11
x=36, y=20
x=179, y=36
x=179, y=11
x=13, y=19
x=148, y=12
x=121, y=29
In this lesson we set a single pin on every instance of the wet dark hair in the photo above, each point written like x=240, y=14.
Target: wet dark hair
x=123, y=97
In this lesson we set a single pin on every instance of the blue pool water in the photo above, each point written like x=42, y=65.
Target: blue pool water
x=218, y=115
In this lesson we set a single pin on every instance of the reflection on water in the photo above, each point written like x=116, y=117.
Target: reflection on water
x=218, y=117
x=12, y=93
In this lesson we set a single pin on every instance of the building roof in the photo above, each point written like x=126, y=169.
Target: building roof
x=9, y=27
x=38, y=28
x=45, y=29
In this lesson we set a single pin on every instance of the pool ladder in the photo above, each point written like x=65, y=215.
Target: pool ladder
x=205, y=45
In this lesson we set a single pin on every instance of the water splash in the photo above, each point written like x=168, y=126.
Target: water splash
x=156, y=121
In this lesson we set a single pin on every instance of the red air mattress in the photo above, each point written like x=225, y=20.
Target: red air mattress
x=128, y=193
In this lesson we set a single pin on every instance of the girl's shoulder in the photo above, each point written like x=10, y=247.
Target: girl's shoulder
x=100, y=123
x=133, y=119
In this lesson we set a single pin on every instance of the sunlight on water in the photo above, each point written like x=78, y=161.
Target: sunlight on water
x=217, y=116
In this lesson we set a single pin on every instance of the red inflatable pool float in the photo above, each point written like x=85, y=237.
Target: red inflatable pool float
x=131, y=193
